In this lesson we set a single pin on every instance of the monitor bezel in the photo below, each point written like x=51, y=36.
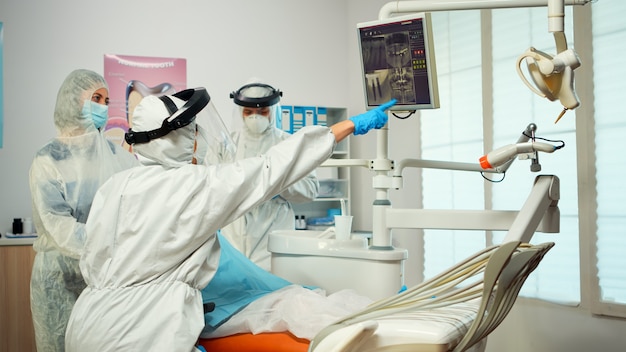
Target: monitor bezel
x=433, y=90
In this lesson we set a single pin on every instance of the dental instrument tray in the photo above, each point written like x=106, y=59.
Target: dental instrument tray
x=333, y=188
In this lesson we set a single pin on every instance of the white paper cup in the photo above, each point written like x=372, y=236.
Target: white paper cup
x=343, y=227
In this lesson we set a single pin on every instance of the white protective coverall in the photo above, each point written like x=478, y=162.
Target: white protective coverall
x=152, y=245
x=64, y=177
x=250, y=233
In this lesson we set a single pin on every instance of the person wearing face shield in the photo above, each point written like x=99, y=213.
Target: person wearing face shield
x=257, y=105
x=153, y=245
x=64, y=176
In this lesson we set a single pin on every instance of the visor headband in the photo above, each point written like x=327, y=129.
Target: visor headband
x=169, y=104
x=248, y=102
x=196, y=99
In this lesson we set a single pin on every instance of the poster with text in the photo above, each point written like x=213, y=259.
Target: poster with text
x=130, y=78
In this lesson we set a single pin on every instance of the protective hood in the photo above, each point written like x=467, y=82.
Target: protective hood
x=174, y=135
x=77, y=88
x=174, y=149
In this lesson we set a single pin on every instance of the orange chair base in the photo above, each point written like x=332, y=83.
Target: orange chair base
x=266, y=342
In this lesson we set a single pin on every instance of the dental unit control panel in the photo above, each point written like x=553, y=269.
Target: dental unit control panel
x=398, y=62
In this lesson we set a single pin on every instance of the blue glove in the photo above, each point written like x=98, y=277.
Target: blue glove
x=376, y=118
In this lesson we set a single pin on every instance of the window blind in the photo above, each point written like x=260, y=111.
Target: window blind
x=457, y=132
x=609, y=36
x=454, y=133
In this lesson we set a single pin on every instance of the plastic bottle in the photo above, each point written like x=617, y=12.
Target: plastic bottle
x=28, y=226
x=18, y=226
x=300, y=222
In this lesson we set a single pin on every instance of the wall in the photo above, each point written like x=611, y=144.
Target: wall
x=224, y=42
x=539, y=326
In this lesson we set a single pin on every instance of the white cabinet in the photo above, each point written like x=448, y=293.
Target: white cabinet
x=334, y=181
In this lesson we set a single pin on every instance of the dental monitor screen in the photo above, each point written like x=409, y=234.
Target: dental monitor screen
x=398, y=62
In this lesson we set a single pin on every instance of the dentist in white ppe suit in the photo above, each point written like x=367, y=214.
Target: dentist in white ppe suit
x=151, y=243
x=257, y=105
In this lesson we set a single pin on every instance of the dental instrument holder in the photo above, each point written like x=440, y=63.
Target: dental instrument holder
x=539, y=213
x=553, y=77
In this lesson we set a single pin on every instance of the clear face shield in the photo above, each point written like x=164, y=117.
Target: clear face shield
x=213, y=143
x=253, y=101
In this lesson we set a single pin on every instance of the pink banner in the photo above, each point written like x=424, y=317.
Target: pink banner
x=130, y=78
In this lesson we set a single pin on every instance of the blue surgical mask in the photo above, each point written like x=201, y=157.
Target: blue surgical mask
x=99, y=113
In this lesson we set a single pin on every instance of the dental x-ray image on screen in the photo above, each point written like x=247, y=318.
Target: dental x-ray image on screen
x=397, y=62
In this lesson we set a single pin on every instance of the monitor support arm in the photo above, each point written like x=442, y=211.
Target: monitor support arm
x=555, y=17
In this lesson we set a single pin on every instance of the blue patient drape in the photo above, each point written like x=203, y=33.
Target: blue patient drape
x=237, y=282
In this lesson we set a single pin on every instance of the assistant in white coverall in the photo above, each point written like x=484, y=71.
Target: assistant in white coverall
x=64, y=177
x=152, y=245
x=257, y=108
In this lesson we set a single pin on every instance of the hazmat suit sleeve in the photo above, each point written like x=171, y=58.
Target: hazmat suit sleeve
x=56, y=219
x=305, y=190
x=308, y=148
x=63, y=180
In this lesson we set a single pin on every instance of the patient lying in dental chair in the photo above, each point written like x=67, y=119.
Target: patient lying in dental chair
x=454, y=311
x=248, y=299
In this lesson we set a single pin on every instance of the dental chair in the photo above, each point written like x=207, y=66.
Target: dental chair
x=453, y=311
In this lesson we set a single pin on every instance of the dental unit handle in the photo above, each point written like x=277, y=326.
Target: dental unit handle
x=501, y=155
x=548, y=65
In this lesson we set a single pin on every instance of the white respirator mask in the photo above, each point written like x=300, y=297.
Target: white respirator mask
x=256, y=123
